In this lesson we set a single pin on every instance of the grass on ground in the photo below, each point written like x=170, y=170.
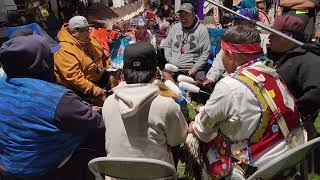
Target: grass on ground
x=314, y=177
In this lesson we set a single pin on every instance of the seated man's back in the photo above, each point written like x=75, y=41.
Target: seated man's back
x=42, y=124
x=141, y=123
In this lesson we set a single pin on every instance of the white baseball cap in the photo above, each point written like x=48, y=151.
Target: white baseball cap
x=78, y=22
x=187, y=7
x=138, y=21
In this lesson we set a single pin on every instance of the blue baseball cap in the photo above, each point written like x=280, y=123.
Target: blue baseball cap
x=250, y=13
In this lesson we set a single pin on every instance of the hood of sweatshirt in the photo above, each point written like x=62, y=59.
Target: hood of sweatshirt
x=313, y=48
x=65, y=36
x=27, y=57
x=133, y=97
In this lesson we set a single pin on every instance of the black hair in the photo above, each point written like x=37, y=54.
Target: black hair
x=242, y=35
x=301, y=36
x=132, y=76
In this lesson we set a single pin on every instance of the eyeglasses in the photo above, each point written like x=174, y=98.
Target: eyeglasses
x=82, y=30
x=184, y=14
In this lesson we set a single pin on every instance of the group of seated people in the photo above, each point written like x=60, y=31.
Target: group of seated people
x=56, y=115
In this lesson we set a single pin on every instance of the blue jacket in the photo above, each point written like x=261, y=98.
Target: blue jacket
x=30, y=141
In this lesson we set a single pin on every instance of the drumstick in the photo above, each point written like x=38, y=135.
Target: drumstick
x=191, y=87
x=174, y=88
x=171, y=67
x=184, y=78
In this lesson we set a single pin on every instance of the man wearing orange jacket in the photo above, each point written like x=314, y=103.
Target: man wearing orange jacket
x=79, y=63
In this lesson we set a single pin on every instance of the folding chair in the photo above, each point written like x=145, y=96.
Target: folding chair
x=215, y=38
x=213, y=53
x=131, y=168
x=286, y=161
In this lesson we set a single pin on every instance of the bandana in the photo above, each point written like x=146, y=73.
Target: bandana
x=241, y=48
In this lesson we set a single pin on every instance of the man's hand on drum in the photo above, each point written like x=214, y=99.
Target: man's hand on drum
x=192, y=72
x=190, y=128
x=100, y=92
x=97, y=109
x=100, y=97
x=208, y=83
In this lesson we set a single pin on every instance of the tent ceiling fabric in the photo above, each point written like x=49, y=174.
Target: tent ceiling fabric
x=105, y=14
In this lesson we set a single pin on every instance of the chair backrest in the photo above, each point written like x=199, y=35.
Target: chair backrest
x=213, y=54
x=131, y=168
x=286, y=161
x=215, y=38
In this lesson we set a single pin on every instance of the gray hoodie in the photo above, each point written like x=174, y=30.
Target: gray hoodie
x=140, y=123
x=187, y=48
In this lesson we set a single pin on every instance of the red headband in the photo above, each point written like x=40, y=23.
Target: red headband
x=241, y=48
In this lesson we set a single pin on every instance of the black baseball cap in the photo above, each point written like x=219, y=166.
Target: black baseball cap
x=140, y=56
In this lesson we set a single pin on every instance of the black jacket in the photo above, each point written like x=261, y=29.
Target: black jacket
x=299, y=68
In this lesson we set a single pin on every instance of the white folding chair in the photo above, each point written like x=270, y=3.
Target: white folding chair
x=286, y=161
x=131, y=168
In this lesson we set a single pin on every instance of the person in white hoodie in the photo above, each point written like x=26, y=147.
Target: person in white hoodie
x=251, y=117
x=139, y=122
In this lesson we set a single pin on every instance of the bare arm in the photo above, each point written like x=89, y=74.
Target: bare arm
x=305, y=5
x=291, y=3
